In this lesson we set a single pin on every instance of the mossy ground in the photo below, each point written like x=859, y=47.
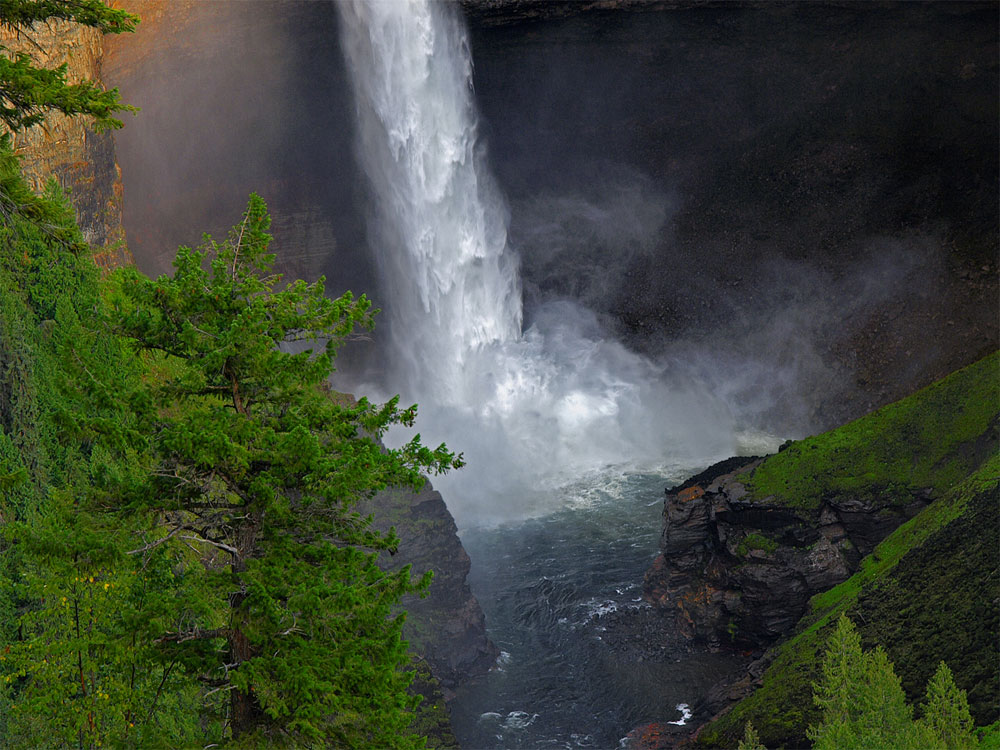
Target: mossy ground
x=930, y=440
x=928, y=592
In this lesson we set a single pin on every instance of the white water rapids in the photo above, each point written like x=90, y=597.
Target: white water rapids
x=534, y=409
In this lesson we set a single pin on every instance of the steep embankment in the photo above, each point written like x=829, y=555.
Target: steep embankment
x=927, y=593
x=892, y=518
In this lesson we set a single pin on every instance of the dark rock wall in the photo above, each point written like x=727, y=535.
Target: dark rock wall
x=828, y=172
x=447, y=627
x=741, y=574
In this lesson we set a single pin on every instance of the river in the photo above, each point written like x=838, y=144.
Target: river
x=563, y=601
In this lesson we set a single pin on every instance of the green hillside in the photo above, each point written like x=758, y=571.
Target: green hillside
x=929, y=591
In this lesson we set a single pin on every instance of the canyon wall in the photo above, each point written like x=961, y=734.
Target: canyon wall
x=82, y=161
x=801, y=189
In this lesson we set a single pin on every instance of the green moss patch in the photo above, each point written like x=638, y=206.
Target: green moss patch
x=755, y=541
x=928, y=592
x=930, y=440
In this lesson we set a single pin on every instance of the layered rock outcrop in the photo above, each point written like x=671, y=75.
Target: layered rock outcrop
x=82, y=161
x=741, y=571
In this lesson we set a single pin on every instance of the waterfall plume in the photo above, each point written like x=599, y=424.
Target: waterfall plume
x=533, y=410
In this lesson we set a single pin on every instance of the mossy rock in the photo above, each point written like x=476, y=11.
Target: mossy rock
x=929, y=441
x=928, y=593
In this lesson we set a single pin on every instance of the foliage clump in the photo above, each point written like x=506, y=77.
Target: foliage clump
x=182, y=560
x=864, y=705
x=29, y=91
x=756, y=541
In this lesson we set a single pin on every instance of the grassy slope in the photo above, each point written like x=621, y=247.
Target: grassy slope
x=929, y=590
x=928, y=440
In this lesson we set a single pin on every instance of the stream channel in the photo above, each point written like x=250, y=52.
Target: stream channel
x=584, y=660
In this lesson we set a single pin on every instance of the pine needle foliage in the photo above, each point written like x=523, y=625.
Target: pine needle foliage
x=946, y=712
x=73, y=672
x=864, y=705
x=282, y=614
x=751, y=740
x=29, y=92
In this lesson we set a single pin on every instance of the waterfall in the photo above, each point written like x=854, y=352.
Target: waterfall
x=440, y=228
x=533, y=410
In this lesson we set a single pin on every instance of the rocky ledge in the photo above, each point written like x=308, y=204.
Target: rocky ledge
x=765, y=554
x=740, y=571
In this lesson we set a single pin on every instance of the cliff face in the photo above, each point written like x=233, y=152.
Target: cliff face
x=747, y=543
x=236, y=98
x=741, y=572
x=447, y=627
x=824, y=174
x=63, y=147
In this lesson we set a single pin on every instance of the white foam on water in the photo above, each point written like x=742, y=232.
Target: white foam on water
x=519, y=720
x=533, y=410
x=686, y=714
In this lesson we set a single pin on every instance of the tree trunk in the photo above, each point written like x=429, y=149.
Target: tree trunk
x=245, y=712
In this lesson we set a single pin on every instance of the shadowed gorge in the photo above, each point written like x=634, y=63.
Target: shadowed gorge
x=746, y=252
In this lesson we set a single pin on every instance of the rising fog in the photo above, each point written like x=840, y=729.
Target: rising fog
x=704, y=211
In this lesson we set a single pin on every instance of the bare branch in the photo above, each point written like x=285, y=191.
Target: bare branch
x=231, y=550
x=157, y=543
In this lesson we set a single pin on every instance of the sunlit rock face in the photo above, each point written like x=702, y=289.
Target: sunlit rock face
x=83, y=162
x=237, y=98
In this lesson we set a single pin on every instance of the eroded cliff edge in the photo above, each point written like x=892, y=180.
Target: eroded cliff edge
x=895, y=512
x=65, y=148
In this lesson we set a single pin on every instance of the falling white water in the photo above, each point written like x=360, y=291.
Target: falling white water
x=533, y=411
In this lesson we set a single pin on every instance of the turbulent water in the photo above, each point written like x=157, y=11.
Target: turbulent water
x=532, y=409
x=570, y=438
x=559, y=593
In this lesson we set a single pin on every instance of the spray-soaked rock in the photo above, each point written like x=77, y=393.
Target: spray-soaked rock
x=740, y=571
x=447, y=628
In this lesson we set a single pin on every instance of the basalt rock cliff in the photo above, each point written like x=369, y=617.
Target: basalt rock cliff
x=447, y=627
x=825, y=172
x=740, y=572
x=892, y=519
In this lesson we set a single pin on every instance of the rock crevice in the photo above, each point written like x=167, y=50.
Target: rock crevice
x=739, y=571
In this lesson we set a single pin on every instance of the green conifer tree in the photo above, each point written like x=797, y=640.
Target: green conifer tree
x=751, y=740
x=862, y=700
x=946, y=713
x=842, y=667
x=28, y=91
x=279, y=609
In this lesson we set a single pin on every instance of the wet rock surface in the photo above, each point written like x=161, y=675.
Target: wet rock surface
x=447, y=627
x=739, y=572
